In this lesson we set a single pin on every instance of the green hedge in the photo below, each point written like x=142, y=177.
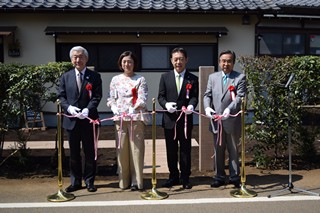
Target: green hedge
x=268, y=99
x=27, y=87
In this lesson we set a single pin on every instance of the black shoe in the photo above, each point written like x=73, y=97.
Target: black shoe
x=72, y=188
x=186, y=185
x=217, y=183
x=91, y=188
x=236, y=183
x=171, y=182
x=125, y=188
x=134, y=188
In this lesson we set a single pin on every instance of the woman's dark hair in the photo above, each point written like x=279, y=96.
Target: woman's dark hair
x=128, y=53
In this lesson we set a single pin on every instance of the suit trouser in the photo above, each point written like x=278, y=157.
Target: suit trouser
x=82, y=132
x=229, y=142
x=130, y=156
x=172, y=147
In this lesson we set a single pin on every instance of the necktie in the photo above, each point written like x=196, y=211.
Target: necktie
x=225, y=79
x=79, y=80
x=178, y=83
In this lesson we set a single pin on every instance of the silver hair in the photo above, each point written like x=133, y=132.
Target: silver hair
x=79, y=48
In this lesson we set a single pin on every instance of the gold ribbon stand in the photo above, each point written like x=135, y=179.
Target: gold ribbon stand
x=154, y=194
x=60, y=196
x=243, y=192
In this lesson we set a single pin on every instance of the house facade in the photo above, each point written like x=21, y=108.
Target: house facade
x=37, y=32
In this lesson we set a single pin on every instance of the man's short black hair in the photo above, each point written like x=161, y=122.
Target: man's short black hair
x=228, y=52
x=179, y=49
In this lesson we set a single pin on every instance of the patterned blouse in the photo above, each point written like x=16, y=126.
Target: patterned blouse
x=121, y=95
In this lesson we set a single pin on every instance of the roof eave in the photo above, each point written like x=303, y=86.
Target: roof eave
x=138, y=11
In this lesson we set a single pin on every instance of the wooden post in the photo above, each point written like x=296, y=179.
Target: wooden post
x=205, y=136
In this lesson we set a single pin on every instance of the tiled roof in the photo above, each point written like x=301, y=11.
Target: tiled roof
x=159, y=5
x=298, y=3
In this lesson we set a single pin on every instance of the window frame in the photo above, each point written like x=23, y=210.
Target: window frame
x=62, y=54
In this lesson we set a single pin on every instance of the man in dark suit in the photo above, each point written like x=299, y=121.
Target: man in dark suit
x=177, y=89
x=80, y=92
x=223, y=97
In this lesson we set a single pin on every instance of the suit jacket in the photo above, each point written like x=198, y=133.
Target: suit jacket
x=168, y=93
x=69, y=95
x=219, y=98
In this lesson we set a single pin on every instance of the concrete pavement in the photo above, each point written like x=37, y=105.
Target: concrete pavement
x=161, y=160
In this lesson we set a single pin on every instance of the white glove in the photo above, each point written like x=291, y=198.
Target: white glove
x=83, y=114
x=189, y=110
x=73, y=110
x=115, y=110
x=226, y=114
x=171, y=107
x=209, y=112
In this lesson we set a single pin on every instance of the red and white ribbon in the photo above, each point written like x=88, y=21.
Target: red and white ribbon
x=96, y=132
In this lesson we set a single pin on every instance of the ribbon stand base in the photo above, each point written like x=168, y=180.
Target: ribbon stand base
x=243, y=192
x=154, y=194
x=60, y=196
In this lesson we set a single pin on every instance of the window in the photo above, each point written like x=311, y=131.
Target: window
x=293, y=44
x=281, y=44
x=1, y=49
x=157, y=57
x=151, y=57
x=102, y=57
x=270, y=43
x=108, y=55
x=278, y=41
x=314, y=44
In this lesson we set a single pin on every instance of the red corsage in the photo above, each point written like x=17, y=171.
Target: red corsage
x=89, y=88
x=232, y=92
x=188, y=87
x=134, y=95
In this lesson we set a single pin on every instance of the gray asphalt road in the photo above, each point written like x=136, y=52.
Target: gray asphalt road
x=31, y=196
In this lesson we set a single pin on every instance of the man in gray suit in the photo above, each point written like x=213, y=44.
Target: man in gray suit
x=80, y=92
x=223, y=97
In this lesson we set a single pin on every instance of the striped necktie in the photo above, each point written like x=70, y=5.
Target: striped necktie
x=225, y=79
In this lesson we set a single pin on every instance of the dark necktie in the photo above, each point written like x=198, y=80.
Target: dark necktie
x=79, y=80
